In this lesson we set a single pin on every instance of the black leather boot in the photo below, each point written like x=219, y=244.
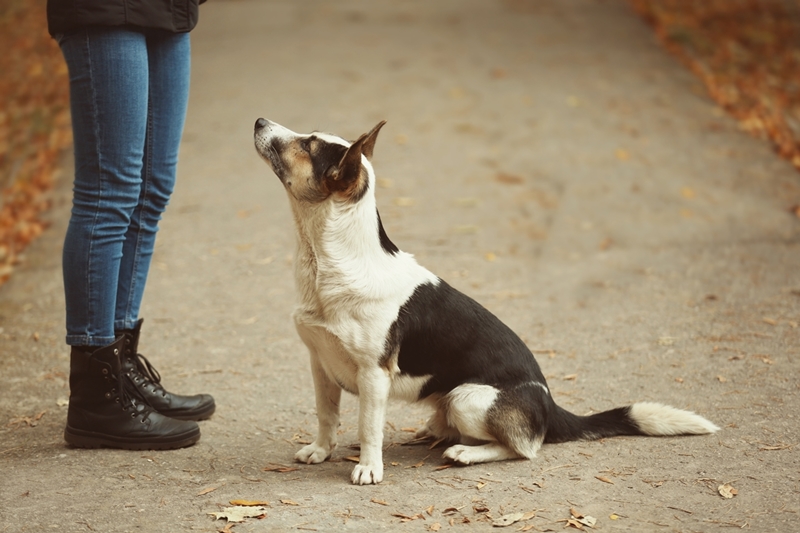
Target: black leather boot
x=103, y=414
x=146, y=385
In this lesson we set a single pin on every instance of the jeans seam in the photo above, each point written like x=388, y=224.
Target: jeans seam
x=96, y=128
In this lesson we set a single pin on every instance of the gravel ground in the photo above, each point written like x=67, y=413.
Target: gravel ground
x=545, y=157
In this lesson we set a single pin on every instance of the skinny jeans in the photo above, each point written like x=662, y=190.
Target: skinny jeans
x=129, y=90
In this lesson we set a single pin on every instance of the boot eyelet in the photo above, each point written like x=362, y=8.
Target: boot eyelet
x=108, y=395
x=133, y=414
x=105, y=371
x=116, y=351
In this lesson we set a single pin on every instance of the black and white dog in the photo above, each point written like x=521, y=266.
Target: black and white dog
x=379, y=325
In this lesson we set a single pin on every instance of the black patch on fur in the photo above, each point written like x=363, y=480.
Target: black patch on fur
x=387, y=245
x=445, y=334
x=324, y=155
x=450, y=336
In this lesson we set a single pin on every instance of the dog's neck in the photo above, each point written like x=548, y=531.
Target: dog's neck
x=338, y=248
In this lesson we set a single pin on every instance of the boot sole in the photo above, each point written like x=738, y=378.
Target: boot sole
x=89, y=439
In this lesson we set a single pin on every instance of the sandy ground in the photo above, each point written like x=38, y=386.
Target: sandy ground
x=545, y=157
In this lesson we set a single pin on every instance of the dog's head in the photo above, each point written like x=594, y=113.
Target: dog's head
x=317, y=166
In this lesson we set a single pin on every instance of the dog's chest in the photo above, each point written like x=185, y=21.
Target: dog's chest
x=340, y=351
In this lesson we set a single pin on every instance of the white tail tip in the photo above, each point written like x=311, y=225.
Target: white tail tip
x=659, y=419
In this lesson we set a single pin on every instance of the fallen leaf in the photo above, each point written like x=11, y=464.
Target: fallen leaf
x=770, y=321
x=279, y=468
x=604, y=479
x=509, y=179
x=727, y=491
x=507, y=520
x=353, y=458
x=722, y=379
x=239, y=513
x=250, y=503
x=289, y=502
x=570, y=377
x=435, y=527
x=207, y=490
x=430, y=509
x=613, y=516
x=403, y=201
x=380, y=502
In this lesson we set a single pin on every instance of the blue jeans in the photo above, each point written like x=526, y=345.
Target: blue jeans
x=128, y=95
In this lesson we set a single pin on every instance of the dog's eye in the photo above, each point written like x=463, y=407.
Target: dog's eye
x=305, y=144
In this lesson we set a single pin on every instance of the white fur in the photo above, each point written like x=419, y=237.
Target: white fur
x=658, y=419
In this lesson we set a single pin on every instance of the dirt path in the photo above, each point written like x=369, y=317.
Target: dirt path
x=547, y=158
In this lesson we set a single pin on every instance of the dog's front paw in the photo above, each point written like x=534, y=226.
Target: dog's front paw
x=366, y=474
x=313, y=453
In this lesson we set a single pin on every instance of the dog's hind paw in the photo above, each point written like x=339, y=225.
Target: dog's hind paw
x=367, y=474
x=313, y=454
x=470, y=455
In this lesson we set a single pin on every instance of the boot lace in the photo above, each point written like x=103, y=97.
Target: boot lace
x=128, y=402
x=146, y=373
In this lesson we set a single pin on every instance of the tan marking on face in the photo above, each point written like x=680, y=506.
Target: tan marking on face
x=300, y=179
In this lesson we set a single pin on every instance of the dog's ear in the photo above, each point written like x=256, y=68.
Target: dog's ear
x=343, y=176
x=369, y=141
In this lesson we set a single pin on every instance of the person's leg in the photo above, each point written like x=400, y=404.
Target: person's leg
x=168, y=60
x=168, y=57
x=109, y=80
x=109, y=87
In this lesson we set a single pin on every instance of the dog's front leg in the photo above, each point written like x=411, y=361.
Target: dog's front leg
x=373, y=395
x=328, y=394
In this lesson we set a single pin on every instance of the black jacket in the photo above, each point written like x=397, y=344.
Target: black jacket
x=177, y=16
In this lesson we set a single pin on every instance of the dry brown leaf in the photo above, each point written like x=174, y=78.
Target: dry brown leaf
x=250, y=503
x=403, y=201
x=770, y=321
x=604, y=479
x=727, y=491
x=289, y=502
x=507, y=520
x=352, y=458
x=509, y=179
x=279, y=468
x=239, y=513
x=436, y=526
x=207, y=490
x=379, y=502
x=430, y=509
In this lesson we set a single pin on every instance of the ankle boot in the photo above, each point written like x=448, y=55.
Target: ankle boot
x=145, y=382
x=102, y=413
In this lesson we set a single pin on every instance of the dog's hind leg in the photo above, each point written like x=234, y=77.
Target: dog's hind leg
x=508, y=422
x=373, y=395
x=328, y=395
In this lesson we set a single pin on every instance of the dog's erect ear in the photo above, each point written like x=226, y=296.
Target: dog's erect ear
x=369, y=141
x=342, y=176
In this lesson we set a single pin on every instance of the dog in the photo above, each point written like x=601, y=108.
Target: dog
x=379, y=325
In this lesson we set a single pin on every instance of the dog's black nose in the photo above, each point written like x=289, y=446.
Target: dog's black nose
x=260, y=123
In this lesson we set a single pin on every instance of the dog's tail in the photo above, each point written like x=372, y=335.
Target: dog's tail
x=643, y=418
